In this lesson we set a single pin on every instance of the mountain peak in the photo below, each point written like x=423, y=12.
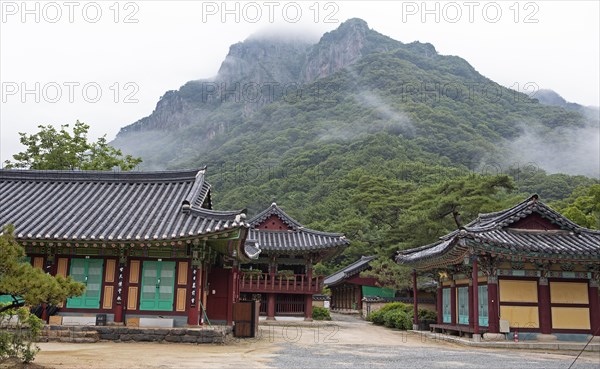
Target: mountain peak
x=354, y=23
x=342, y=47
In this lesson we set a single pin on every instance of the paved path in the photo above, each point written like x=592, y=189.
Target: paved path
x=347, y=342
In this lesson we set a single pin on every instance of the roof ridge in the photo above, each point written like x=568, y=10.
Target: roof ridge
x=274, y=209
x=93, y=175
x=195, y=192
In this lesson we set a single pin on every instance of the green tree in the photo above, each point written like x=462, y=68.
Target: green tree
x=63, y=150
x=583, y=206
x=27, y=286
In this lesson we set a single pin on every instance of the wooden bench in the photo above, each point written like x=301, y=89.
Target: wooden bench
x=460, y=330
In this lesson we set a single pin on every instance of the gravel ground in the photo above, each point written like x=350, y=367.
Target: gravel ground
x=347, y=342
x=355, y=343
x=367, y=356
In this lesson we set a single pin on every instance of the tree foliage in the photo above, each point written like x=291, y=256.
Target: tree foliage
x=60, y=149
x=28, y=286
x=583, y=206
x=31, y=285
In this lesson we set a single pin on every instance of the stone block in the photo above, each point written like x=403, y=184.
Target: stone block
x=133, y=322
x=79, y=320
x=55, y=320
x=109, y=337
x=173, y=338
x=157, y=322
x=189, y=339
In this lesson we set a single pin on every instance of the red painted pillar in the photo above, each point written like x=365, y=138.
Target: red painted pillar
x=545, y=313
x=270, y=306
x=308, y=308
x=231, y=277
x=415, y=301
x=594, y=307
x=493, y=315
x=475, y=305
x=203, y=287
x=195, y=291
x=439, y=303
x=121, y=296
x=470, y=302
x=453, y=302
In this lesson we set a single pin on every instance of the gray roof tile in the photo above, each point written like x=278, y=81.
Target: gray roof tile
x=298, y=239
x=110, y=206
x=493, y=232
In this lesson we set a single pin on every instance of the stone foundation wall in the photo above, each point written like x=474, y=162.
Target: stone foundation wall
x=91, y=334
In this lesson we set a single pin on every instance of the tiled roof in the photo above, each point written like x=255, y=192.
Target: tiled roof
x=110, y=206
x=493, y=233
x=277, y=211
x=299, y=239
x=349, y=271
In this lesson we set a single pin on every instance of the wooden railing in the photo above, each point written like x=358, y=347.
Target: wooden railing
x=265, y=282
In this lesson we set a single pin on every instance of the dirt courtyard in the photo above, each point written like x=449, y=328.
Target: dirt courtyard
x=338, y=344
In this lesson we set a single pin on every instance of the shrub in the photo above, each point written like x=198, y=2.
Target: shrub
x=376, y=317
x=396, y=306
x=427, y=315
x=21, y=330
x=397, y=319
x=320, y=313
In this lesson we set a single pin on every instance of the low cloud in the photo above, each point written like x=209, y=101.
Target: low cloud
x=560, y=150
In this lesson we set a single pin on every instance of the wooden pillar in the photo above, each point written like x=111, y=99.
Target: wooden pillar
x=453, y=302
x=195, y=291
x=415, y=302
x=232, y=294
x=203, y=291
x=439, y=302
x=308, y=308
x=493, y=315
x=545, y=313
x=475, y=305
x=121, y=295
x=50, y=268
x=470, y=302
x=271, y=306
x=594, y=305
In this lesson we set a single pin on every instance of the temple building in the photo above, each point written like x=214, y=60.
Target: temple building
x=348, y=288
x=526, y=269
x=145, y=244
x=282, y=277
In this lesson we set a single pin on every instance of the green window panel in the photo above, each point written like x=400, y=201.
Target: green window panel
x=158, y=285
x=88, y=272
x=483, y=305
x=463, y=305
x=446, y=308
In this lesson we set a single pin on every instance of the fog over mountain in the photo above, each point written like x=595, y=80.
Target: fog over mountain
x=279, y=96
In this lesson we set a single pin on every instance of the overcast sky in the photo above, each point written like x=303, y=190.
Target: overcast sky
x=132, y=52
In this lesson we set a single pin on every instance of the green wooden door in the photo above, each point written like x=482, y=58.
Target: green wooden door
x=88, y=272
x=158, y=281
x=463, y=305
x=446, y=308
x=483, y=305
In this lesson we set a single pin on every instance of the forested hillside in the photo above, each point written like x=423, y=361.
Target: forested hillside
x=390, y=143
